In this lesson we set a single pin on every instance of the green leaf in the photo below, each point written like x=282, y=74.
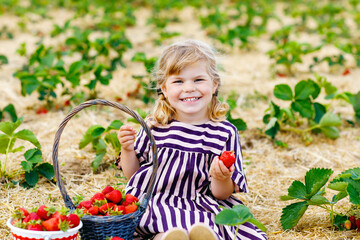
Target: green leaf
x=339, y=196
x=10, y=109
x=112, y=139
x=76, y=67
x=237, y=215
x=88, y=136
x=330, y=132
x=303, y=107
x=354, y=194
x=4, y=142
x=48, y=60
x=27, y=166
x=274, y=110
x=297, y=190
x=97, y=131
x=96, y=162
x=286, y=198
x=330, y=119
x=283, y=92
x=272, y=127
x=318, y=200
x=46, y=170
x=238, y=123
x=29, y=136
x=114, y=125
x=9, y=127
x=315, y=179
x=292, y=213
x=31, y=178
x=320, y=110
x=288, y=113
x=303, y=90
x=258, y=224
x=338, y=186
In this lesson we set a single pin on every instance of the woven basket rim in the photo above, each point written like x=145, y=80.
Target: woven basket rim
x=153, y=150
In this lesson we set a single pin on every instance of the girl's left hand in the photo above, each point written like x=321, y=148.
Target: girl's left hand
x=219, y=171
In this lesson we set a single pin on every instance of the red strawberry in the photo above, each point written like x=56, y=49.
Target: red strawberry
x=51, y=224
x=130, y=208
x=73, y=219
x=119, y=208
x=31, y=216
x=114, y=196
x=85, y=204
x=45, y=212
x=114, y=238
x=106, y=207
x=353, y=221
x=107, y=189
x=41, y=110
x=346, y=72
x=98, y=197
x=129, y=199
x=358, y=224
x=94, y=210
x=34, y=227
x=24, y=212
x=59, y=215
x=228, y=158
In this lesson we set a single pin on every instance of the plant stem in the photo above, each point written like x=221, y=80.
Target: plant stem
x=331, y=211
x=3, y=171
x=237, y=229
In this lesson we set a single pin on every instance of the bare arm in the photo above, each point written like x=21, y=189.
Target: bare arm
x=222, y=186
x=129, y=161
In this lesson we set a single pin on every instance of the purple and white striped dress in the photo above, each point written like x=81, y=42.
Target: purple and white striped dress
x=182, y=195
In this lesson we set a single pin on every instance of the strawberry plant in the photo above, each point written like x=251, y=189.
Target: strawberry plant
x=289, y=53
x=103, y=140
x=353, y=49
x=302, y=107
x=10, y=110
x=34, y=166
x=8, y=139
x=237, y=215
x=239, y=123
x=311, y=193
x=3, y=60
x=335, y=60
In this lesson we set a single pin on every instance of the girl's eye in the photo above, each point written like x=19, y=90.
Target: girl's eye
x=199, y=80
x=177, y=81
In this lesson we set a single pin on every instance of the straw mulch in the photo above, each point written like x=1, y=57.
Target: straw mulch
x=270, y=169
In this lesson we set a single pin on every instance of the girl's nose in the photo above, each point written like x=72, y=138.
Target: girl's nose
x=189, y=86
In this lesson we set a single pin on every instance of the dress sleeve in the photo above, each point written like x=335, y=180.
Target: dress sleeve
x=142, y=146
x=238, y=176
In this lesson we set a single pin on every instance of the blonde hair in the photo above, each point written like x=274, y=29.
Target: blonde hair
x=175, y=58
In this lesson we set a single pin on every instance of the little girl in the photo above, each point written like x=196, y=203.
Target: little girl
x=190, y=130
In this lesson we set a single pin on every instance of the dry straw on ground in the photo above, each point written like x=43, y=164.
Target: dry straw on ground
x=270, y=169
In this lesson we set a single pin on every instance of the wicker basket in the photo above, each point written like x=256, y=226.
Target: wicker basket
x=95, y=227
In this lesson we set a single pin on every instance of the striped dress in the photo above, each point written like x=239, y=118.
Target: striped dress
x=182, y=195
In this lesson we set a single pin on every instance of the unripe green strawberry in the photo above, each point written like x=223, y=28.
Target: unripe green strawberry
x=347, y=224
x=228, y=158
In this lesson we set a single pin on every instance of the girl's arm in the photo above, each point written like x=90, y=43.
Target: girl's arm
x=129, y=161
x=222, y=186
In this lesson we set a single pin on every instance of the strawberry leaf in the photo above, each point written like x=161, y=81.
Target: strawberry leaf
x=315, y=179
x=297, y=190
x=29, y=136
x=46, y=170
x=338, y=186
x=330, y=132
x=9, y=127
x=339, y=196
x=292, y=213
x=303, y=107
x=330, y=119
x=304, y=89
x=354, y=194
x=318, y=200
x=283, y=92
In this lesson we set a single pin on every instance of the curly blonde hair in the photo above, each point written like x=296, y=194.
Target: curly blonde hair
x=175, y=58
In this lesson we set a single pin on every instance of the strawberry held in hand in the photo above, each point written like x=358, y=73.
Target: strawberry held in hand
x=228, y=158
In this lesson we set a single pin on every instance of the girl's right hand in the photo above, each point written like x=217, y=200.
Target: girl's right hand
x=126, y=136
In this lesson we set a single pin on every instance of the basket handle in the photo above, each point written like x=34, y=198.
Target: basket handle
x=68, y=203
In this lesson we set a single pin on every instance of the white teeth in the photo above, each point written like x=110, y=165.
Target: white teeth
x=190, y=99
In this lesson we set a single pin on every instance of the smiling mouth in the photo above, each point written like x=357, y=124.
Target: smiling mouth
x=190, y=99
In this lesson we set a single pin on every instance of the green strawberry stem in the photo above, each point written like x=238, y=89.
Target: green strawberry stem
x=3, y=171
x=237, y=229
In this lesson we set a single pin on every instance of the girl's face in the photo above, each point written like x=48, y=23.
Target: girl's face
x=190, y=93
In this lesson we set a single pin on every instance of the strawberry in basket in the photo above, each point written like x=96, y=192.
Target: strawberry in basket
x=109, y=202
x=46, y=218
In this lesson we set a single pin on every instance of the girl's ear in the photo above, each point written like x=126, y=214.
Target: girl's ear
x=163, y=90
x=215, y=87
